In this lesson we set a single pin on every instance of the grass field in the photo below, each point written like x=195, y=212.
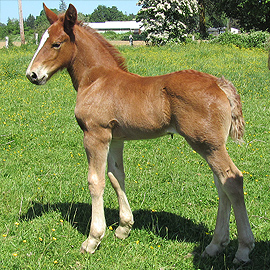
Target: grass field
x=45, y=206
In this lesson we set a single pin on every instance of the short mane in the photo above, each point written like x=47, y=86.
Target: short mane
x=120, y=60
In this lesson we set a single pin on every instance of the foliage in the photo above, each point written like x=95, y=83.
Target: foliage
x=250, y=14
x=111, y=35
x=30, y=21
x=243, y=14
x=3, y=31
x=103, y=14
x=45, y=204
x=11, y=28
x=163, y=23
x=166, y=20
x=62, y=6
x=254, y=39
x=40, y=23
x=214, y=17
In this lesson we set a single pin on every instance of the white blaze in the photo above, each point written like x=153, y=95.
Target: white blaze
x=41, y=44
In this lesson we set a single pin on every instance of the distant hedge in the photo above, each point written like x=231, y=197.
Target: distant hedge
x=258, y=39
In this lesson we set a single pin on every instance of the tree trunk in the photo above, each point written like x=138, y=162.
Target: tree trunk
x=202, y=27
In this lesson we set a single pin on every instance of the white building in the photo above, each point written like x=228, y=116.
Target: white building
x=117, y=26
x=235, y=31
x=221, y=30
x=216, y=31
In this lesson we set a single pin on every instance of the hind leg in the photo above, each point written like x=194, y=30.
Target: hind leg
x=229, y=181
x=221, y=236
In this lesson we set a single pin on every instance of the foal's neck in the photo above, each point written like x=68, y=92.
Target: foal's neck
x=91, y=60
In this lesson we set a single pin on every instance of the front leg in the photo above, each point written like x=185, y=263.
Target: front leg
x=96, y=146
x=117, y=177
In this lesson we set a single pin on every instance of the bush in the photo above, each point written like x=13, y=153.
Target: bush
x=256, y=39
x=111, y=35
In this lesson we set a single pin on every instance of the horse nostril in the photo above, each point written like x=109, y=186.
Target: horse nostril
x=33, y=75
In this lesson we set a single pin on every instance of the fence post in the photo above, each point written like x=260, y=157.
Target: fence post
x=131, y=40
x=7, y=40
x=36, y=38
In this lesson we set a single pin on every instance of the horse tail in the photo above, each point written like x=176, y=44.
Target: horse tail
x=237, y=128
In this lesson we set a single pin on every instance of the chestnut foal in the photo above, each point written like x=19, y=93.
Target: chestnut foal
x=114, y=105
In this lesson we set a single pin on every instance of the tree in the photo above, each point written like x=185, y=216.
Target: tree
x=214, y=17
x=166, y=20
x=103, y=14
x=202, y=22
x=13, y=27
x=82, y=17
x=249, y=13
x=116, y=15
x=3, y=31
x=62, y=6
x=30, y=21
x=41, y=22
x=100, y=14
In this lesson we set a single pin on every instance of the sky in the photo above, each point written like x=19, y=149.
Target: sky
x=9, y=8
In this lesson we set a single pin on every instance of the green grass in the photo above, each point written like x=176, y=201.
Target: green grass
x=45, y=206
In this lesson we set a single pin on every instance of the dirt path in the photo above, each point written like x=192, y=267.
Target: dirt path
x=135, y=43
x=3, y=44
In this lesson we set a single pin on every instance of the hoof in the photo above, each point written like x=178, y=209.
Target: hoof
x=122, y=232
x=242, y=255
x=241, y=262
x=212, y=251
x=205, y=255
x=89, y=246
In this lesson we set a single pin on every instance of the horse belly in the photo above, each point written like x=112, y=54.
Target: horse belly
x=143, y=124
x=141, y=133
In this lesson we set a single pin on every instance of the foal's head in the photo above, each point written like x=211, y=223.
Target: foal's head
x=56, y=46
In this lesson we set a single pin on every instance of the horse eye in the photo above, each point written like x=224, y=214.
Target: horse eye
x=56, y=45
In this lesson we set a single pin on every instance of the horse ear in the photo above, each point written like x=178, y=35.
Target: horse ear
x=70, y=21
x=51, y=16
x=70, y=16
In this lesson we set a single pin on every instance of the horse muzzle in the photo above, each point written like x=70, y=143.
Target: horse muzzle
x=37, y=78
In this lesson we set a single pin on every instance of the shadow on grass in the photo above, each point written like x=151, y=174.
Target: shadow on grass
x=165, y=225
x=260, y=258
